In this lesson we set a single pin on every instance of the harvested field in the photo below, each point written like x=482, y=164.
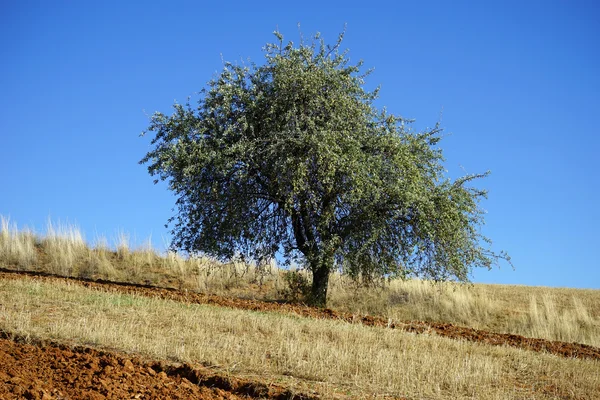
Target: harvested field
x=328, y=356
x=563, y=349
x=51, y=371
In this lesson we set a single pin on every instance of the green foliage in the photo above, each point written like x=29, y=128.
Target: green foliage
x=293, y=157
x=297, y=287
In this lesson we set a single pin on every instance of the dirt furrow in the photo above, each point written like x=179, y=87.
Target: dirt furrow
x=45, y=370
x=571, y=350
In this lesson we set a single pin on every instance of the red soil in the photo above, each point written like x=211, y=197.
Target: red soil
x=574, y=350
x=46, y=371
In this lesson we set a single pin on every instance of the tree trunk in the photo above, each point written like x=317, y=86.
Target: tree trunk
x=319, y=284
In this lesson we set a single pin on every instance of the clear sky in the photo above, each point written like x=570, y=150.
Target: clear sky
x=515, y=83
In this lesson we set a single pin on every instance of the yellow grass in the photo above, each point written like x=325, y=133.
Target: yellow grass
x=332, y=356
x=16, y=248
x=571, y=315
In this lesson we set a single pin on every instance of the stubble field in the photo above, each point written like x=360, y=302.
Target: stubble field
x=173, y=328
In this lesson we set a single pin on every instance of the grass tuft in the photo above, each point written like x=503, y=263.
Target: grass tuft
x=17, y=249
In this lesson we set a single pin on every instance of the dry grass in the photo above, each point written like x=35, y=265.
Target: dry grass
x=571, y=315
x=332, y=356
x=16, y=248
x=63, y=250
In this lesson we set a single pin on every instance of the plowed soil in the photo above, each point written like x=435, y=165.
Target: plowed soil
x=45, y=371
x=573, y=350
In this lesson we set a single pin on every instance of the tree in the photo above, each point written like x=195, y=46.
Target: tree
x=293, y=158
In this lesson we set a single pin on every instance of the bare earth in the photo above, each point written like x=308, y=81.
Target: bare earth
x=45, y=371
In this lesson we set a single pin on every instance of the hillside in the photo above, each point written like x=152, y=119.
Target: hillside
x=230, y=323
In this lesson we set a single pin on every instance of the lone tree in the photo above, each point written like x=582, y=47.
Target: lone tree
x=293, y=158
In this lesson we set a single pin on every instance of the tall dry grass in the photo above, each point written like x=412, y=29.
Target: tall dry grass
x=17, y=248
x=571, y=315
x=63, y=250
x=545, y=319
x=66, y=248
x=331, y=356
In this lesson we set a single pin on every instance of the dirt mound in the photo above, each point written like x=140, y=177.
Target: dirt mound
x=45, y=371
x=563, y=349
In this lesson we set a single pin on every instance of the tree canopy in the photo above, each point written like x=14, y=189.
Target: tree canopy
x=293, y=158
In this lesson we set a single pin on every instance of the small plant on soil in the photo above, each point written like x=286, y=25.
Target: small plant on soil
x=297, y=287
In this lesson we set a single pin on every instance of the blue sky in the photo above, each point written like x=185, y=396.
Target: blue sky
x=516, y=84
